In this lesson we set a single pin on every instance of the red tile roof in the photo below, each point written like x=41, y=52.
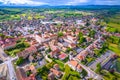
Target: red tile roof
x=56, y=72
x=73, y=63
x=62, y=56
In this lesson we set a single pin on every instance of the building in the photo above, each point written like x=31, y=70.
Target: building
x=51, y=76
x=62, y=56
x=27, y=52
x=57, y=73
x=75, y=65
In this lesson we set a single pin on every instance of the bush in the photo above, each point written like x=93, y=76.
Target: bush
x=98, y=68
x=60, y=34
x=70, y=74
x=19, y=61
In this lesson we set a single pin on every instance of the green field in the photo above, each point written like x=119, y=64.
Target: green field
x=114, y=48
x=109, y=76
x=114, y=26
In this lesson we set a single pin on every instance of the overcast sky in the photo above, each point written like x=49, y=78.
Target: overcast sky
x=60, y=2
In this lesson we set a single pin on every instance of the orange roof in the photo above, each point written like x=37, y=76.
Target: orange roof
x=79, y=67
x=9, y=44
x=56, y=66
x=32, y=67
x=73, y=63
x=55, y=72
x=80, y=57
x=73, y=45
x=62, y=56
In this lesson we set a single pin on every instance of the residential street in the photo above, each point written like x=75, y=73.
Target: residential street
x=101, y=60
x=91, y=73
x=12, y=73
x=3, y=56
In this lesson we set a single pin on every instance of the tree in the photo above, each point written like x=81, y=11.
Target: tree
x=19, y=61
x=28, y=73
x=84, y=73
x=92, y=33
x=82, y=39
x=98, y=68
x=87, y=23
x=80, y=35
x=2, y=35
x=60, y=34
x=68, y=49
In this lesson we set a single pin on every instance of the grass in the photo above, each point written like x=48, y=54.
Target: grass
x=109, y=76
x=118, y=65
x=44, y=71
x=114, y=48
x=70, y=74
x=60, y=63
x=20, y=46
x=114, y=25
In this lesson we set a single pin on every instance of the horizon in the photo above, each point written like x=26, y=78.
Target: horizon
x=58, y=3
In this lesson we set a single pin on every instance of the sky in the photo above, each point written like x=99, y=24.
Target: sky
x=59, y=2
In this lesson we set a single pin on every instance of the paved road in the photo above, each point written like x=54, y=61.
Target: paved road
x=46, y=57
x=91, y=73
x=3, y=56
x=12, y=73
x=11, y=68
x=103, y=58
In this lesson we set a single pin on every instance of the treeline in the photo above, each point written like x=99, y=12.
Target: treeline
x=5, y=11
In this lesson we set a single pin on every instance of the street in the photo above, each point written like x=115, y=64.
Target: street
x=8, y=60
x=91, y=73
x=3, y=56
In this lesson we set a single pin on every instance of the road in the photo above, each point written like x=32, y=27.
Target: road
x=91, y=73
x=3, y=56
x=11, y=70
x=46, y=57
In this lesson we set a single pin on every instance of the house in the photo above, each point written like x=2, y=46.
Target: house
x=21, y=75
x=62, y=56
x=31, y=77
x=53, y=48
x=51, y=76
x=79, y=68
x=27, y=52
x=64, y=49
x=80, y=57
x=60, y=44
x=35, y=57
x=83, y=53
x=56, y=66
x=57, y=73
x=72, y=39
x=66, y=40
x=55, y=53
x=8, y=45
x=75, y=65
x=31, y=68
x=72, y=45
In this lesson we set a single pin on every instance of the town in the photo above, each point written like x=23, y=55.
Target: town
x=58, y=45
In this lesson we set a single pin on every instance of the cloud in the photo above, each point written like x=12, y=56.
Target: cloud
x=76, y=2
x=21, y=2
x=60, y=2
x=107, y=2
